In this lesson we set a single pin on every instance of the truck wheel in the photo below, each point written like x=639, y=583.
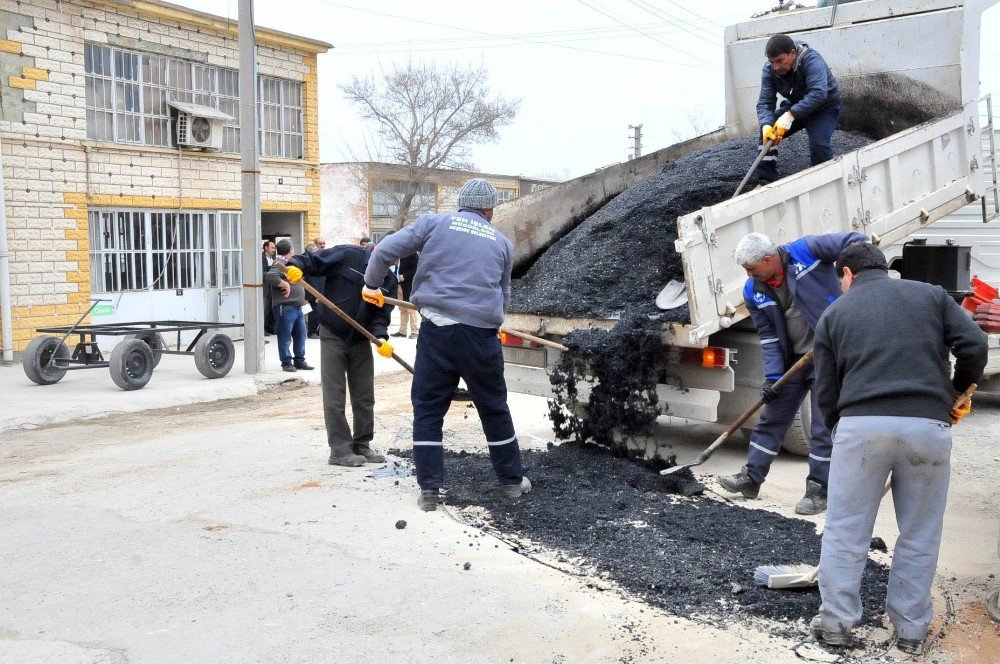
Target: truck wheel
x=36, y=359
x=131, y=364
x=155, y=342
x=214, y=355
x=798, y=437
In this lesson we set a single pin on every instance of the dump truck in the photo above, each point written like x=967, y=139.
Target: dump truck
x=892, y=190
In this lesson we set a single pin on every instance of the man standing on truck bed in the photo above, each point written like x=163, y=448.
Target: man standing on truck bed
x=890, y=392
x=788, y=290
x=811, y=100
x=461, y=287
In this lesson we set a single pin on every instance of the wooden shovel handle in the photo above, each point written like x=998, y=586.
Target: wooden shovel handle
x=347, y=319
x=516, y=333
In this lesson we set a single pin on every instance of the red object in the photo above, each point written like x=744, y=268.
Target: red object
x=972, y=304
x=989, y=328
x=987, y=307
x=983, y=290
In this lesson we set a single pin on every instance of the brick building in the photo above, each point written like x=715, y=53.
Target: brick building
x=363, y=198
x=100, y=200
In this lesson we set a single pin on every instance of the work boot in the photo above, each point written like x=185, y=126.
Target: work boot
x=302, y=366
x=428, y=500
x=842, y=639
x=814, y=501
x=349, y=459
x=741, y=482
x=910, y=646
x=516, y=490
x=370, y=455
x=289, y=368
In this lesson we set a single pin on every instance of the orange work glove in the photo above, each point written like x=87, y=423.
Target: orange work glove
x=373, y=296
x=293, y=274
x=385, y=350
x=958, y=412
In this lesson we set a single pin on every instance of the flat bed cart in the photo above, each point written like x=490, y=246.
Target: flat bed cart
x=47, y=358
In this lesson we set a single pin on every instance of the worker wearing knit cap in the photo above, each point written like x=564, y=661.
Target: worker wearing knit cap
x=461, y=288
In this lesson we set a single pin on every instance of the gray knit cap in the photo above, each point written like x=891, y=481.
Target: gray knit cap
x=477, y=194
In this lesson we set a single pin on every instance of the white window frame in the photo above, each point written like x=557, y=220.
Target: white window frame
x=134, y=250
x=185, y=81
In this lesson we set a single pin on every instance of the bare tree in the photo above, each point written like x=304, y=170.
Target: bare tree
x=429, y=117
x=698, y=122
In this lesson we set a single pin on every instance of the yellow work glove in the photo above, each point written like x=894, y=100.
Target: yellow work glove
x=958, y=412
x=784, y=123
x=385, y=350
x=293, y=274
x=373, y=296
x=767, y=134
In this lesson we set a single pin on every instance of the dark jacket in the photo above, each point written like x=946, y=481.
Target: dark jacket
x=882, y=349
x=408, y=270
x=812, y=281
x=807, y=88
x=273, y=277
x=343, y=267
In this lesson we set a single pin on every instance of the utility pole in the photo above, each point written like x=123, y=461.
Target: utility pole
x=636, y=141
x=253, y=301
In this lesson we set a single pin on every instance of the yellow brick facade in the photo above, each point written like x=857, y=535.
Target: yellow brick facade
x=53, y=175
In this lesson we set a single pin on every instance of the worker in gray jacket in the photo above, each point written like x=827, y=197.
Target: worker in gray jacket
x=890, y=393
x=461, y=288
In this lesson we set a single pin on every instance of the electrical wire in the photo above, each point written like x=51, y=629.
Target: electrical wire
x=488, y=34
x=678, y=22
x=632, y=26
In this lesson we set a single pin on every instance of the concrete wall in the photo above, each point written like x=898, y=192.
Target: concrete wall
x=54, y=174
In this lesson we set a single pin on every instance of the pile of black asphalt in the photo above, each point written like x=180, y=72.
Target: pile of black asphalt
x=620, y=257
x=619, y=522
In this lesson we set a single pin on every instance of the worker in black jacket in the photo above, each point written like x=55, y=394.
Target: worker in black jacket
x=345, y=355
x=885, y=382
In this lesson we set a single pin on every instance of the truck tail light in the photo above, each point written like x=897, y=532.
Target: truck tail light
x=708, y=358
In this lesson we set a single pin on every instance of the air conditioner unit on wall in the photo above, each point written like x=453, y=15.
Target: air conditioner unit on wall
x=198, y=126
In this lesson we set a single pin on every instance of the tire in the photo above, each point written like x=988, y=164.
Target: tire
x=36, y=357
x=131, y=364
x=799, y=434
x=214, y=355
x=155, y=342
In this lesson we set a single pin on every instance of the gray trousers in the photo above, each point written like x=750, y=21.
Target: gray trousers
x=917, y=453
x=347, y=366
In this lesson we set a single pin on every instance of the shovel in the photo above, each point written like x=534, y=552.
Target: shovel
x=707, y=454
x=672, y=296
x=756, y=162
x=347, y=319
x=524, y=335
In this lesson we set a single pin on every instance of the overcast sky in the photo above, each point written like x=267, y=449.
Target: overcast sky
x=585, y=69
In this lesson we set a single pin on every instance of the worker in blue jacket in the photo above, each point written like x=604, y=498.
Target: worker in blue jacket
x=810, y=100
x=788, y=290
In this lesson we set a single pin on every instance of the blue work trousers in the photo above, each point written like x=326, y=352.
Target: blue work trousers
x=777, y=417
x=820, y=127
x=291, y=326
x=446, y=353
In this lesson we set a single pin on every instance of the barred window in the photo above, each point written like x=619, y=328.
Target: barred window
x=135, y=250
x=280, y=109
x=506, y=194
x=388, y=195
x=127, y=94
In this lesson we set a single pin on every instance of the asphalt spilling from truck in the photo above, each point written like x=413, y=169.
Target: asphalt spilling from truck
x=617, y=523
x=620, y=257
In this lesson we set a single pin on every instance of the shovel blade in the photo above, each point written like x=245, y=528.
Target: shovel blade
x=672, y=296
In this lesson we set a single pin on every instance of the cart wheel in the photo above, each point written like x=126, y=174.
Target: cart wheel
x=36, y=359
x=155, y=342
x=214, y=355
x=131, y=364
